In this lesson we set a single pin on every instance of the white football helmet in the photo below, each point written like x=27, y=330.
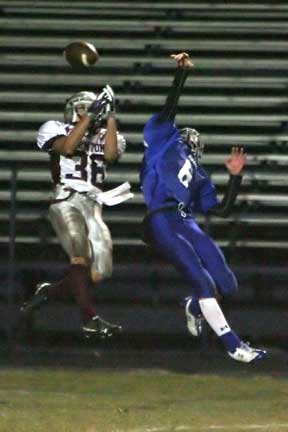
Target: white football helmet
x=192, y=138
x=78, y=101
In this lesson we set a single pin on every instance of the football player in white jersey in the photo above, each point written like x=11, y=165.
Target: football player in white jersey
x=79, y=150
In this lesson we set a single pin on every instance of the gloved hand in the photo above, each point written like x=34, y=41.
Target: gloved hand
x=110, y=108
x=98, y=108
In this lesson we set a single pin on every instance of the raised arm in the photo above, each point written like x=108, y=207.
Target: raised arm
x=235, y=165
x=184, y=63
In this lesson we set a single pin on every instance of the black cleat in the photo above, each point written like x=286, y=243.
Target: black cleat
x=99, y=328
x=40, y=297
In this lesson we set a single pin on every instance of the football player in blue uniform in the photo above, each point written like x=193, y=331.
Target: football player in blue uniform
x=175, y=186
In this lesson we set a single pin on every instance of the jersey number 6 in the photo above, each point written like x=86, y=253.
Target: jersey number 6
x=186, y=173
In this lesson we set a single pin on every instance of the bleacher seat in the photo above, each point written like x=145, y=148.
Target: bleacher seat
x=235, y=95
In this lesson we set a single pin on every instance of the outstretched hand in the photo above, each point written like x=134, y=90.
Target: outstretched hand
x=183, y=60
x=235, y=163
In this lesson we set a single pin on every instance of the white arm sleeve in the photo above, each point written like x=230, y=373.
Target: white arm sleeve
x=50, y=129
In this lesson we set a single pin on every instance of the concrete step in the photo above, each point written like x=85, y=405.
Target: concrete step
x=151, y=65
x=125, y=217
x=91, y=80
x=202, y=11
x=199, y=101
x=279, y=200
x=147, y=5
x=216, y=143
x=245, y=243
x=136, y=158
x=265, y=120
x=230, y=44
x=117, y=175
x=138, y=25
x=143, y=100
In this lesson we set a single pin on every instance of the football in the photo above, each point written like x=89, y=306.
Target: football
x=81, y=54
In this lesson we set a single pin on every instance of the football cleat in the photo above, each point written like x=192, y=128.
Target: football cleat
x=97, y=327
x=246, y=354
x=40, y=297
x=194, y=323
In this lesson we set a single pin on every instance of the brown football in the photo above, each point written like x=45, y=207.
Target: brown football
x=81, y=54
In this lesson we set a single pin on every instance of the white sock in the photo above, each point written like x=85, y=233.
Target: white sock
x=214, y=316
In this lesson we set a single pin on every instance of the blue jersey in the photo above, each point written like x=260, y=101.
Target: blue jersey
x=169, y=173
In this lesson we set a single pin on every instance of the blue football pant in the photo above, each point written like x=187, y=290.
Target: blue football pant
x=192, y=252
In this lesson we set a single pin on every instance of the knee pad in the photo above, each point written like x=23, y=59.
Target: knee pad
x=78, y=244
x=101, y=258
x=71, y=229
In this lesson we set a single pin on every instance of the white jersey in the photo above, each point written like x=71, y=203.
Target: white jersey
x=87, y=166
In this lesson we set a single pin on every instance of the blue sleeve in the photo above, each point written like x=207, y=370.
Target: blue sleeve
x=207, y=198
x=157, y=133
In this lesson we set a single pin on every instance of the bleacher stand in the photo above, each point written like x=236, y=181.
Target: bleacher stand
x=235, y=96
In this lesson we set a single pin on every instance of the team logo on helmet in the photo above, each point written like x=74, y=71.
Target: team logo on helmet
x=192, y=138
x=76, y=103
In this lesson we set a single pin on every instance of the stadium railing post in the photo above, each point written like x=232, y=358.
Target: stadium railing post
x=11, y=254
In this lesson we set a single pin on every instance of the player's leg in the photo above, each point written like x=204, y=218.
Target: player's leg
x=100, y=256
x=69, y=219
x=71, y=231
x=100, y=244
x=213, y=260
x=172, y=236
x=234, y=346
x=166, y=230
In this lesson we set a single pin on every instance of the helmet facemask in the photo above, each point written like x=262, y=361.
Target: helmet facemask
x=78, y=105
x=192, y=138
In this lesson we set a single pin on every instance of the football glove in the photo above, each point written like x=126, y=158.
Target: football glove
x=110, y=108
x=98, y=108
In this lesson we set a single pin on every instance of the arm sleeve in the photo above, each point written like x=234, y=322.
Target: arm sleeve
x=160, y=127
x=224, y=208
x=169, y=110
